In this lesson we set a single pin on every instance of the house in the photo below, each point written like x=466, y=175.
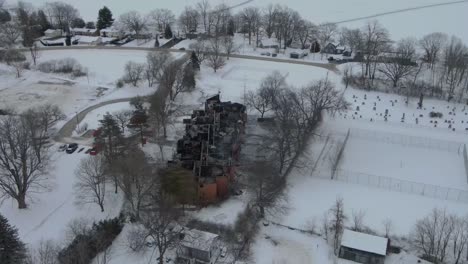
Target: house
x=363, y=248
x=84, y=32
x=269, y=43
x=334, y=48
x=198, y=247
x=110, y=32
x=53, y=33
x=211, y=146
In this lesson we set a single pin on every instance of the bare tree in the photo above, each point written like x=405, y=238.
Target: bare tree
x=172, y=80
x=92, y=173
x=10, y=33
x=162, y=111
x=358, y=220
x=133, y=72
x=155, y=63
x=338, y=219
x=251, y=19
x=137, y=180
x=459, y=239
x=61, y=14
x=432, y=235
x=133, y=21
x=400, y=65
x=24, y=160
x=433, y=44
x=161, y=18
x=123, y=117
x=46, y=253
x=188, y=20
x=388, y=226
x=259, y=101
x=203, y=8
x=267, y=186
x=262, y=100
x=35, y=54
x=229, y=46
x=347, y=75
x=201, y=48
x=269, y=18
x=306, y=30
x=375, y=41
x=455, y=65
x=161, y=223
x=327, y=33
x=215, y=60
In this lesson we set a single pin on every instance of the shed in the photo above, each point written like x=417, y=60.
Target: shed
x=198, y=246
x=363, y=248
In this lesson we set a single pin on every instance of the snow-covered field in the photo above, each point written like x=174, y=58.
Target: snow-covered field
x=50, y=213
x=414, y=23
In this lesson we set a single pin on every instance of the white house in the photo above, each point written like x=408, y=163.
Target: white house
x=198, y=246
x=269, y=43
x=363, y=248
x=111, y=33
x=53, y=33
x=83, y=32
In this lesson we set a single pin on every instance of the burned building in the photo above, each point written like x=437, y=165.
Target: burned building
x=211, y=147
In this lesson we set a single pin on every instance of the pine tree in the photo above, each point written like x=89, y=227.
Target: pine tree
x=168, y=32
x=105, y=18
x=43, y=21
x=156, y=43
x=188, y=80
x=194, y=61
x=12, y=250
x=231, y=28
x=111, y=138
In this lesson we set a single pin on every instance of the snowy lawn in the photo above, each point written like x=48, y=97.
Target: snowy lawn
x=49, y=213
x=93, y=117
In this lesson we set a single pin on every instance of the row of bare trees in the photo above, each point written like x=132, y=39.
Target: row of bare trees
x=24, y=152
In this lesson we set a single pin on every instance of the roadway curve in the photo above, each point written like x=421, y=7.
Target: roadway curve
x=67, y=130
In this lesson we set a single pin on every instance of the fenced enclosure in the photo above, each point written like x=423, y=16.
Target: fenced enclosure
x=410, y=141
x=397, y=185
x=388, y=182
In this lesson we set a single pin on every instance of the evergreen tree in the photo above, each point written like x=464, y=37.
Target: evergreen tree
x=78, y=23
x=231, y=28
x=90, y=25
x=168, y=32
x=188, y=80
x=156, y=43
x=12, y=250
x=194, y=61
x=105, y=18
x=4, y=16
x=315, y=47
x=43, y=22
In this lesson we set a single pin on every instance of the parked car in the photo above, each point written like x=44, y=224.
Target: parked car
x=62, y=148
x=223, y=252
x=88, y=151
x=266, y=53
x=81, y=149
x=93, y=152
x=72, y=148
x=182, y=48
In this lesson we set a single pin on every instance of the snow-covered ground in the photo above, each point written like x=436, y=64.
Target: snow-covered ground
x=414, y=23
x=50, y=213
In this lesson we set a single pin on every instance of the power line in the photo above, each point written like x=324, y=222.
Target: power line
x=399, y=11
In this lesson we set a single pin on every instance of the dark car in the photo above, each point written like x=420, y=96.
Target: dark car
x=72, y=148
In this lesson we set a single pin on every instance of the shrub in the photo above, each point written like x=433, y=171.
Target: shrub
x=85, y=247
x=435, y=114
x=67, y=66
x=120, y=83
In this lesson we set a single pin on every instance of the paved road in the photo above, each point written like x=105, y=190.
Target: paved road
x=67, y=130
x=327, y=66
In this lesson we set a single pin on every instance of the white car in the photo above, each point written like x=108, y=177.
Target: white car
x=223, y=252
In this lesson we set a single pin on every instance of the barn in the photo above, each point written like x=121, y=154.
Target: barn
x=363, y=248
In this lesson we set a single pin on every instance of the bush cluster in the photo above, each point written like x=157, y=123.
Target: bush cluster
x=67, y=66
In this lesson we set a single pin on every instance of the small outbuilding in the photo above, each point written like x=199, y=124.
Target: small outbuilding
x=269, y=43
x=363, y=248
x=53, y=33
x=198, y=247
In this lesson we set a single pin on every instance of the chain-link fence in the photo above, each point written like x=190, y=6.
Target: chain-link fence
x=406, y=140
x=391, y=184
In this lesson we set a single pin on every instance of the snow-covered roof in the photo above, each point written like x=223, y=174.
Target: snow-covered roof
x=364, y=242
x=50, y=31
x=198, y=239
x=84, y=30
x=269, y=42
x=109, y=30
